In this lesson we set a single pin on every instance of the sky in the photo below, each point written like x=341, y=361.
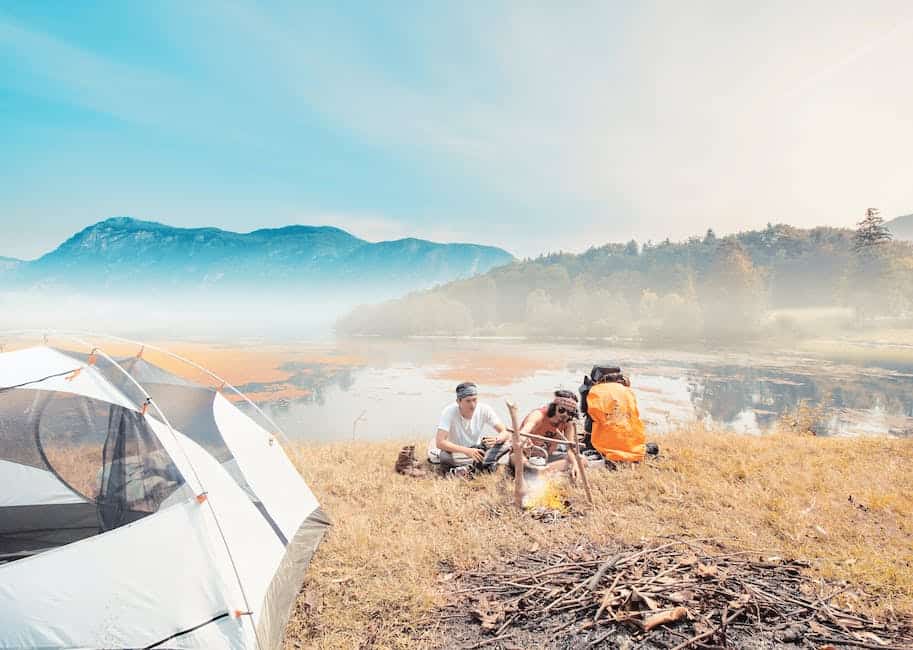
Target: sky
x=536, y=127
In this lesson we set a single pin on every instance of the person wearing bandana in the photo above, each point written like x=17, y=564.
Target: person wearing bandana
x=558, y=415
x=461, y=440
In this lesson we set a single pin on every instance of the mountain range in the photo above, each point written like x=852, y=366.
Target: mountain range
x=127, y=254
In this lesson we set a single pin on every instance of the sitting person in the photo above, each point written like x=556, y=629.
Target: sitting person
x=559, y=415
x=459, y=441
x=613, y=422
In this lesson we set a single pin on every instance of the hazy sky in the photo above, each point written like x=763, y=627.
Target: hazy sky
x=534, y=129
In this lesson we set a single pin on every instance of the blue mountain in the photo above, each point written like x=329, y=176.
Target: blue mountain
x=127, y=254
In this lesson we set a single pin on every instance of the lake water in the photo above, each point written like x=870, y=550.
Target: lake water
x=375, y=389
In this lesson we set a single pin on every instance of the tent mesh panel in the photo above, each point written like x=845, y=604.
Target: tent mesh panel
x=94, y=466
x=137, y=473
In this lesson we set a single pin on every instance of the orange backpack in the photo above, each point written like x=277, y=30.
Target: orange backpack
x=618, y=432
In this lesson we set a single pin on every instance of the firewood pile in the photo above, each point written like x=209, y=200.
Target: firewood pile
x=677, y=594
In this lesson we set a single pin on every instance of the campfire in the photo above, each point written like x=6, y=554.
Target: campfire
x=548, y=493
x=541, y=494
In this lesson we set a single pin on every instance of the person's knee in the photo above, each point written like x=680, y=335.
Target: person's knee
x=449, y=459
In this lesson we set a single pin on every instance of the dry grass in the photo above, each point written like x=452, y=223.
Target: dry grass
x=847, y=505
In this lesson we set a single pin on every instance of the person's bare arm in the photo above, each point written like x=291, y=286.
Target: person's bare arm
x=445, y=445
x=531, y=421
x=529, y=424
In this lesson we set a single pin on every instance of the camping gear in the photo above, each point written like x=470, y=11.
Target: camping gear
x=538, y=456
x=492, y=456
x=407, y=464
x=592, y=458
x=140, y=509
x=618, y=431
x=597, y=373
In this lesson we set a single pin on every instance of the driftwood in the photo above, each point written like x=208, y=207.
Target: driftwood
x=675, y=594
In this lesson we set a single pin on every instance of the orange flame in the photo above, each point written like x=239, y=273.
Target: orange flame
x=548, y=493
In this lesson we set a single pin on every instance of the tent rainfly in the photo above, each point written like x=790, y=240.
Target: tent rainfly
x=141, y=510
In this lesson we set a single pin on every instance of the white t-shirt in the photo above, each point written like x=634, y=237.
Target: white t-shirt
x=465, y=433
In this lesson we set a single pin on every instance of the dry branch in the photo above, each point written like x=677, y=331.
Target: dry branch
x=575, y=453
x=517, y=455
x=676, y=588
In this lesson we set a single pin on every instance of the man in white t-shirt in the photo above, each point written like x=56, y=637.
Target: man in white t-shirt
x=460, y=439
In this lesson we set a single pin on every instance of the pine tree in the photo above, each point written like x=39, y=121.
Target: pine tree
x=871, y=232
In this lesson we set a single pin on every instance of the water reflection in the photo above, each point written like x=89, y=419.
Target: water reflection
x=387, y=389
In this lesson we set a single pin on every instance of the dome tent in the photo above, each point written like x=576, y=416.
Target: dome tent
x=124, y=526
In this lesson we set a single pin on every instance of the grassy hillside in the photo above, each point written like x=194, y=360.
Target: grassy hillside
x=380, y=576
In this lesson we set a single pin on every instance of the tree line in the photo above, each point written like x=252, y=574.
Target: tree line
x=709, y=287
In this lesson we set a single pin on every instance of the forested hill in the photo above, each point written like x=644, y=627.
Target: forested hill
x=705, y=287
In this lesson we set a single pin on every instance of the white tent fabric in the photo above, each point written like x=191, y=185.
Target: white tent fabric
x=191, y=556
x=255, y=549
x=267, y=469
x=127, y=588
x=21, y=485
x=33, y=364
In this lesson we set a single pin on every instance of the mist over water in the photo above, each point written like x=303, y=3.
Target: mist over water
x=318, y=386
x=177, y=315
x=398, y=388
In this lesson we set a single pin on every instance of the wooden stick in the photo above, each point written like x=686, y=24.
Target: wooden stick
x=576, y=454
x=517, y=455
x=544, y=439
x=860, y=644
x=700, y=637
x=482, y=644
x=605, y=566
